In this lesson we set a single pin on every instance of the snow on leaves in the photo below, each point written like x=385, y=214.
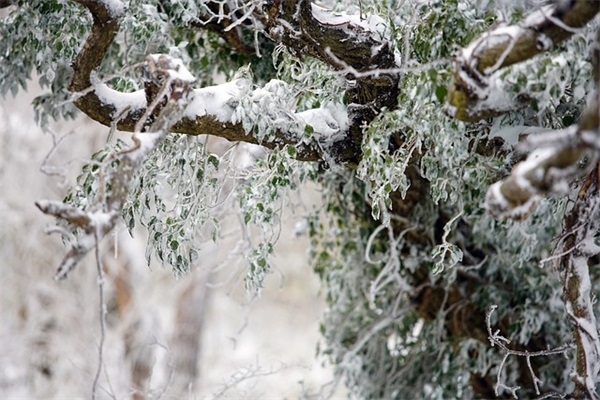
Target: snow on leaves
x=115, y=172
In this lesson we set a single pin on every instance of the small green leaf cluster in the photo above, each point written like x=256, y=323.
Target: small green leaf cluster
x=41, y=37
x=176, y=196
x=265, y=112
x=313, y=82
x=555, y=83
x=85, y=194
x=262, y=194
x=441, y=27
x=382, y=167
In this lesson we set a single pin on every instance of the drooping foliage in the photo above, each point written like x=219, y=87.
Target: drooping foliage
x=409, y=254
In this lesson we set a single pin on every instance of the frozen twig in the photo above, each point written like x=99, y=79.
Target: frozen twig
x=496, y=339
x=251, y=372
x=102, y=310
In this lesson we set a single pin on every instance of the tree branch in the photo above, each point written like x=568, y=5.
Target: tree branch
x=578, y=246
x=102, y=217
x=508, y=45
x=341, y=41
x=303, y=32
x=554, y=163
x=496, y=339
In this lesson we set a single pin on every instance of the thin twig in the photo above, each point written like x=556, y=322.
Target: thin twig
x=102, y=307
x=498, y=340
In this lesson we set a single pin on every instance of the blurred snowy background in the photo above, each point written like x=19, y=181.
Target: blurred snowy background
x=200, y=337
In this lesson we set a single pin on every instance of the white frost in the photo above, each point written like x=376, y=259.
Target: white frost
x=119, y=100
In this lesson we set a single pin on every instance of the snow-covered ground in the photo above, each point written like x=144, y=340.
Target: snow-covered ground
x=49, y=330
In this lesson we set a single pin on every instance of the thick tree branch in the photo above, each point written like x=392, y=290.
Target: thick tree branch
x=581, y=226
x=555, y=162
x=501, y=47
x=341, y=41
x=125, y=110
x=346, y=41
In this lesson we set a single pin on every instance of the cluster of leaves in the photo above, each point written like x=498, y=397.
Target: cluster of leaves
x=41, y=37
x=262, y=193
x=177, y=197
x=319, y=85
x=265, y=111
x=383, y=170
x=428, y=366
x=556, y=82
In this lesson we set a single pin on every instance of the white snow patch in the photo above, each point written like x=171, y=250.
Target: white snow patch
x=532, y=165
x=589, y=341
x=492, y=39
x=539, y=17
x=119, y=100
x=102, y=220
x=511, y=134
x=499, y=206
x=217, y=101
x=370, y=23
x=588, y=247
x=116, y=8
x=176, y=68
x=148, y=141
x=327, y=122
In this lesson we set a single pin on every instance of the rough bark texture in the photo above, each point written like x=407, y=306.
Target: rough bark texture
x=581, y=224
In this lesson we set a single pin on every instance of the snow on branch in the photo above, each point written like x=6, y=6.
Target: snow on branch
x=559, y=157
x=578, y=244
x=471, y=95
x=117, y=172
x=211, y=112
x=215, y=110
x=556, y=160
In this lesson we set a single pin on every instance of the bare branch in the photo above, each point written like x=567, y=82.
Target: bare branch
x=102, y=315
x=6, y=3
x=496, y=339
